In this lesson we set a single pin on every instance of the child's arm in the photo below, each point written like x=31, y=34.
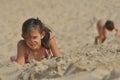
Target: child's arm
x=96, y=40
x=99, y=39
x=20, y=56
x=54, y=47
x=117, y=32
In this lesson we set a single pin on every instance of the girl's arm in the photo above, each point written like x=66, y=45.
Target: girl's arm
x=56, y=52
x=20, y=53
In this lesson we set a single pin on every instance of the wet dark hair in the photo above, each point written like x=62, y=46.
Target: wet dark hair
x=109, y=25
x=31, y=23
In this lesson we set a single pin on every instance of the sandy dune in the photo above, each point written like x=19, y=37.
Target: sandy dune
x=74, y=24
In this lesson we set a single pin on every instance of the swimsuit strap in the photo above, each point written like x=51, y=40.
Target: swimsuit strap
x=48, y=54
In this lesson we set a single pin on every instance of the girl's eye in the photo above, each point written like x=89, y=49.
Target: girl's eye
x=34, y=37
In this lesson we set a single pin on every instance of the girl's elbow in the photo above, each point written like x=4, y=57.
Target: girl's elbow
x=21, y=63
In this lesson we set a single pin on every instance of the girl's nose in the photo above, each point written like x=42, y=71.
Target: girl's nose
x=32, y=41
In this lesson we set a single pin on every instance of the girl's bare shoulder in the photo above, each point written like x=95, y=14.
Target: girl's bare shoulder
x=22, y=44
x=22, y=47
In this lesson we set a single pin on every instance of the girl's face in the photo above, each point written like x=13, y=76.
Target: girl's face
x=33, y=39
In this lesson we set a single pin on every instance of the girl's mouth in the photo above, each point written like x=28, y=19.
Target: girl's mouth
x=34, y=46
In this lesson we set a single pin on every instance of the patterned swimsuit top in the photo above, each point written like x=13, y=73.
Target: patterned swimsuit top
x=47, y=54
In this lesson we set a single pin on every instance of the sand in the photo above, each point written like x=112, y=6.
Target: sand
x=73, y=23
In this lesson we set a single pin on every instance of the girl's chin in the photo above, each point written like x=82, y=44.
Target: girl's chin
x=34, y=48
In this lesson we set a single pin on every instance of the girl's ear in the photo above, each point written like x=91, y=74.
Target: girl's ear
x=42, y=34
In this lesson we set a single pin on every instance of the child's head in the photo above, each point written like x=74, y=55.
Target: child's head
x=31, y=24
x=109, y=25
x=35, y=33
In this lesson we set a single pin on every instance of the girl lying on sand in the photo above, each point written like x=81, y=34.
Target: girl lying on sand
x=38, y=42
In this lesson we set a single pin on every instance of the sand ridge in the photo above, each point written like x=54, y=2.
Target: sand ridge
x=73, y=23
